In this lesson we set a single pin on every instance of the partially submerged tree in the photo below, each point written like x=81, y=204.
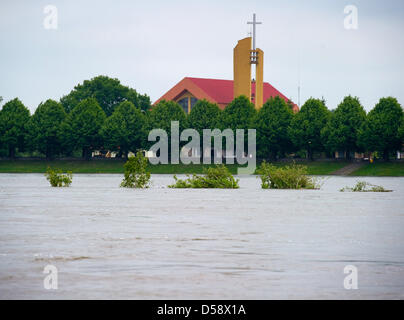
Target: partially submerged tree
x=136, y=174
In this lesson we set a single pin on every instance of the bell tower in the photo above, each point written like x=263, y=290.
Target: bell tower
x=245, y=56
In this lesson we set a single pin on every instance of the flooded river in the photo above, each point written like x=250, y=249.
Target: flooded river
x=114, y=243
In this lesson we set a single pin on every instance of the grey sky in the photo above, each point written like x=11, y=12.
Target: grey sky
x=151, y=45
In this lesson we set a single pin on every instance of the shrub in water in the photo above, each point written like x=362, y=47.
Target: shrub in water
x=363, y=186
x=287, y=177
x=214, y=177
x=136, y=175
x=57, y=178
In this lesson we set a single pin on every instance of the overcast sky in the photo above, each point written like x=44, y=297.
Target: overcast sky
x=151, y=45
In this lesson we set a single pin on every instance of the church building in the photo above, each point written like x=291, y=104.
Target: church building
x=245, y=57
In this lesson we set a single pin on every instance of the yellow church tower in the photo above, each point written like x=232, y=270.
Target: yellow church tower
x=245, y=55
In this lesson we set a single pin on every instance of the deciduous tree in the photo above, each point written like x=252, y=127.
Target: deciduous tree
x=380, y=132
x=204, y=115
x=124, y=129
x=13, y=119
x=306, y=126
x=81, y=129
x=272, y=123
x=341, y=131
x=108, y=92
x=44, y=128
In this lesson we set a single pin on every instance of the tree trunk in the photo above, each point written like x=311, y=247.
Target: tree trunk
x=310, y=154
x=386, y=155
x=48, y=154
x=11, y=152
x=86, y=153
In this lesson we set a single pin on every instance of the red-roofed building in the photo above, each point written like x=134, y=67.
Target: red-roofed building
x=189, y=90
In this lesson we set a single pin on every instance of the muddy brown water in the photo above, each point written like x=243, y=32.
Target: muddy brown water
x=114, y=243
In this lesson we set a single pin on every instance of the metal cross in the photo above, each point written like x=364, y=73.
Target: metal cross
x=254, y=23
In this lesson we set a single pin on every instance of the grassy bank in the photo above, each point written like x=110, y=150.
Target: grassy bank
x=116, y=166
x=388, y=169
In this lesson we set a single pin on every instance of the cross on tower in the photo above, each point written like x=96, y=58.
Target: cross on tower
x=254, y=23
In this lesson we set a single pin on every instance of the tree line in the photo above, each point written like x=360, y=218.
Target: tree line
x=101, y=113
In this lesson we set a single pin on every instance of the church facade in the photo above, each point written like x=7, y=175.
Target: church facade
x=189, y=90
x=246, y=57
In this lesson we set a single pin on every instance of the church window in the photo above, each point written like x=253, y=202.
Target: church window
x=193, y=101
x=184, y=104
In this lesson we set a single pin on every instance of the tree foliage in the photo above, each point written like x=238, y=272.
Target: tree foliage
x=380, y=132
x=57, y=178
x=125, y=129
x=306, y=126
x=215, y=177
x=341, y=131
x=44, y=128
x=287, y=177
x=163, y=113
x=81, y=129
x=204, y=115
x=136, y=174
x=13, y=133
x=108, y=92
x=272, y=124
x=239, y=114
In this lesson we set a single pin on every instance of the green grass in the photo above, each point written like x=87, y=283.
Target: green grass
x=388, y=169
x=116, y=166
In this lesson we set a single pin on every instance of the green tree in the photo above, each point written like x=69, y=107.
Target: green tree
x=380, y=132
x=239, y=114
x=160, y=117
x=81, y=129
x=163, y=113
x=43, y=128
x=306, y=126
x=401, y=132
x=341, y=131
x=108, y=92
x=13, y=119
x=204, y=115
x=136, y=174
x=272, y=124
x=124, y=129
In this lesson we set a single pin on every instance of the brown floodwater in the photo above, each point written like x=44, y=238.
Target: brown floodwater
x=113, y=243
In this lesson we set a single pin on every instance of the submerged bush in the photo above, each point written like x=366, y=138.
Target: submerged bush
x=136, y=175
x=57, y=178
x=287, y=177
x=363, y=186
x=214, y=177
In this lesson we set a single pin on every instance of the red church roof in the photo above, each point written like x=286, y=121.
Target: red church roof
x=215, y=90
